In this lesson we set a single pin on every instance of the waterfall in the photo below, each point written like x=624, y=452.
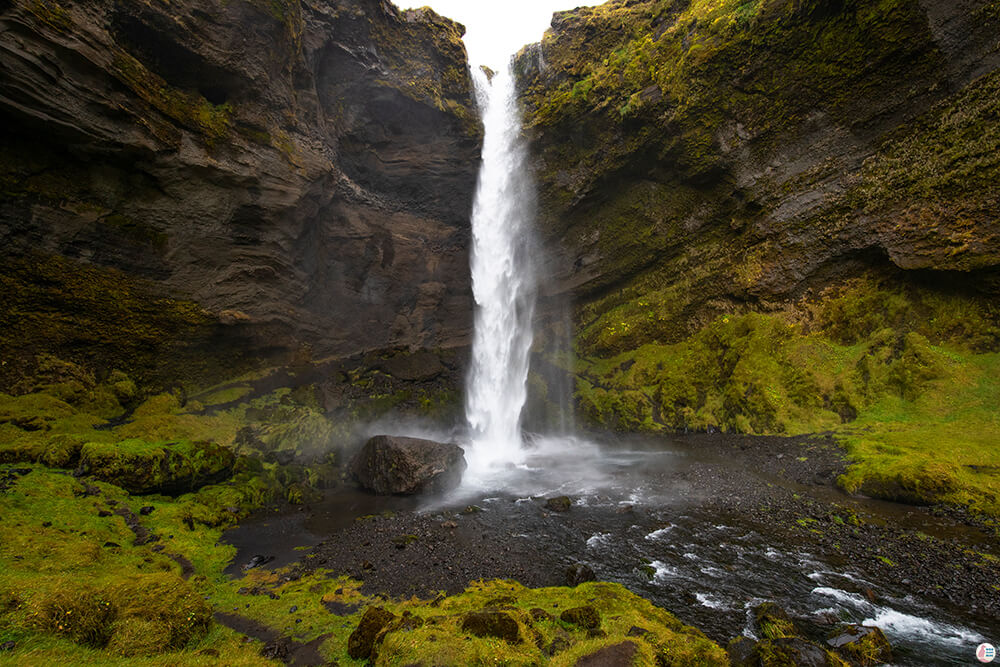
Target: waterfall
x=503, y=281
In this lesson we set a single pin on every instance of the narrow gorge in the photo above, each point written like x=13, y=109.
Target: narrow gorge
x=672, y=339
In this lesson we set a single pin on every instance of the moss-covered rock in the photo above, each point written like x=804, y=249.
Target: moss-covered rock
x=362, y=641
x=142, y=467
x=488, y=623
x=585, y=617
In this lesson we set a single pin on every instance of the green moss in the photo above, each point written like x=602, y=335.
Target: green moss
x=101, y=317
x=901, y=375
x=440, y=639
x=773, y=622
x=143, y=467
x=192, y=111
x=52, y=13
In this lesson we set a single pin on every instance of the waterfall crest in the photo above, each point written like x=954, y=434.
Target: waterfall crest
x=504, y=281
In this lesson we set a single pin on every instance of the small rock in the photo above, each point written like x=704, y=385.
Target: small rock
x=863, y=645
x=147, y=510
x=558, y=645
x=294, y=608
x=579, y=573
x=558, y=504
x=585, y=617
x=497, y=624
x=104, y=514
x=7, y=646
x=257, y=561
x=742, y=651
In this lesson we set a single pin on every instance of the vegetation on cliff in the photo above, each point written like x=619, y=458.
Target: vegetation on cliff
x=780, y=220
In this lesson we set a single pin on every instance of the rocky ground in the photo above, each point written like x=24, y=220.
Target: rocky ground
x=781, y=488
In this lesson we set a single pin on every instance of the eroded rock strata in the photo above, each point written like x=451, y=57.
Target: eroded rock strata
x=752, y=152
x=179, y=176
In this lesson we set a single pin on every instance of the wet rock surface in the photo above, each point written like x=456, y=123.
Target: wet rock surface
x=304, y=175
x=397, y=465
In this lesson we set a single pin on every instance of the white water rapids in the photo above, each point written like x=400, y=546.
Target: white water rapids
x=503, y=282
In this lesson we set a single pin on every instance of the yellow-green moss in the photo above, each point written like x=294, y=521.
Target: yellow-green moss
x=192, y=111
x=904, y=376
x=52, y=13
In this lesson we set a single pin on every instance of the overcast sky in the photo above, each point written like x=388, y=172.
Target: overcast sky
x=497, y=30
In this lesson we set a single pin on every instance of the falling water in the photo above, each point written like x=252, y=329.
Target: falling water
x=503, y=281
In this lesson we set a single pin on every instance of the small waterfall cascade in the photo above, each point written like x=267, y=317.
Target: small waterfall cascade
x=504, y=281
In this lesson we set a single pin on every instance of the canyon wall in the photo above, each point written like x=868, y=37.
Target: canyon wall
x=198, y=183
x=738, y=193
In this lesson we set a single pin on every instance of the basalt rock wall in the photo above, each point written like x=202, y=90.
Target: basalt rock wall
x=772, y=216
x=269, y=175
x=752, y=151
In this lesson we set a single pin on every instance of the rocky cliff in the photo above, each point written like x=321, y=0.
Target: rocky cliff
x=243, y=176
x=754, y=148
x=779, y=216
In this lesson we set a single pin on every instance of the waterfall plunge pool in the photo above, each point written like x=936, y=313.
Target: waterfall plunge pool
x=706, y=526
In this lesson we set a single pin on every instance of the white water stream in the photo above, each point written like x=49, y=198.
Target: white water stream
x=503, y=282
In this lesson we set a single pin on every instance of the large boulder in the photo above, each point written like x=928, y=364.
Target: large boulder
x=397, y=465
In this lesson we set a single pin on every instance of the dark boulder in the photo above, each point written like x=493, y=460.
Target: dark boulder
x=558, y=504
x=489, y=623
x=742, y=651
x=862, y=645
x=362, y=640
x=397, y=465
x=579, y=573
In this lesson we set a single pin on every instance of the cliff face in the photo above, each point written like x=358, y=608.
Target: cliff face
x=755, y=149
x=284, y=174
